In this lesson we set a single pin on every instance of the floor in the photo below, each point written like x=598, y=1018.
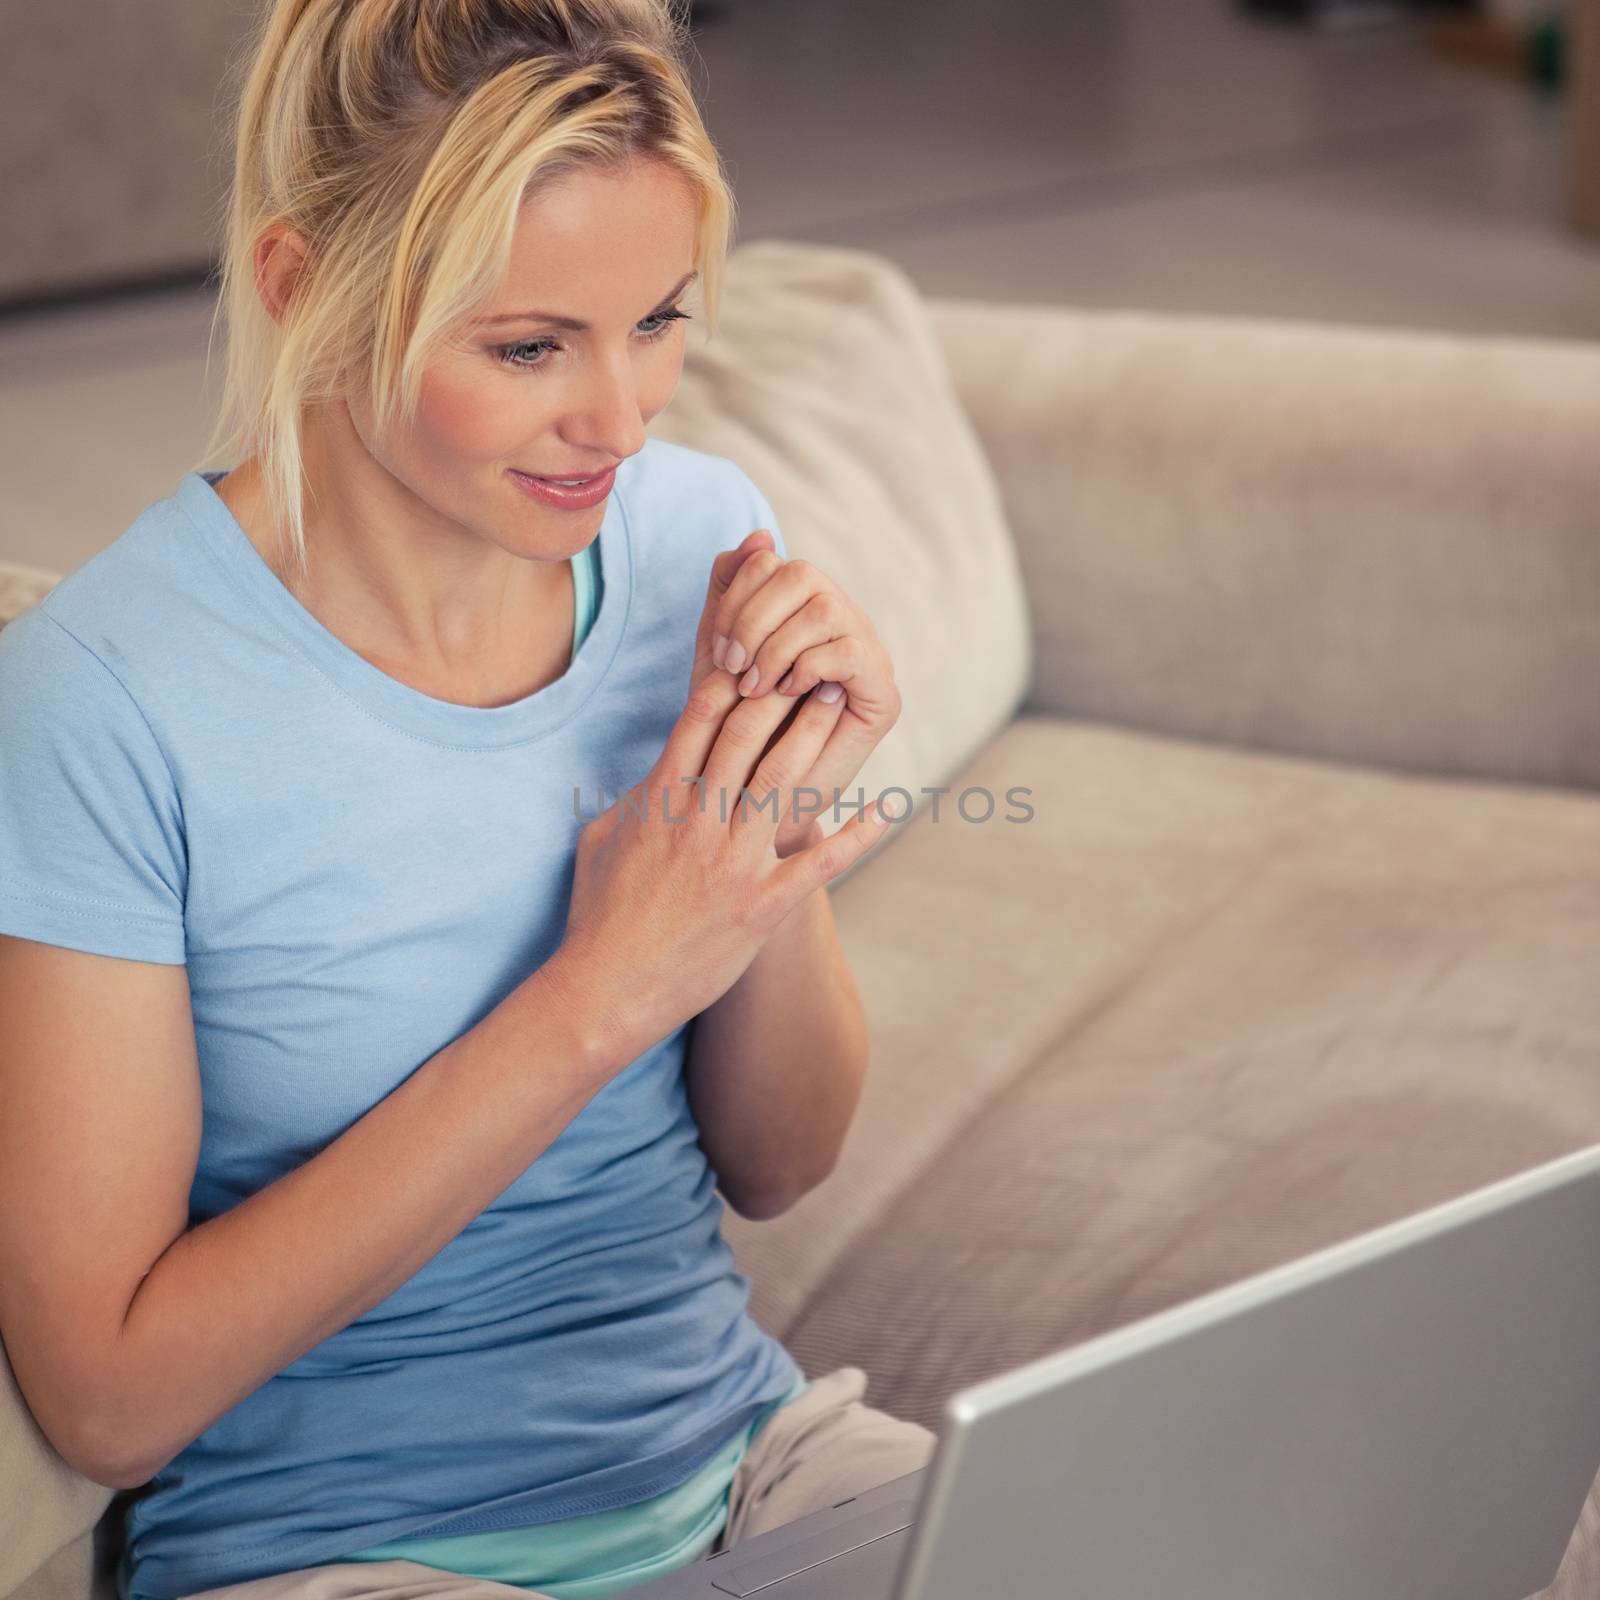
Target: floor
x=1163, y=154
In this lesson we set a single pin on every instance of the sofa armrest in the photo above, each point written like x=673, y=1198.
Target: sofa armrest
x=1359, y=544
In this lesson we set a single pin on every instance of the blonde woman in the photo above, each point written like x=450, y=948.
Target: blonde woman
x=382, y=1010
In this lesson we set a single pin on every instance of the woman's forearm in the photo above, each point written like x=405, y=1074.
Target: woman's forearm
x=776, y=1066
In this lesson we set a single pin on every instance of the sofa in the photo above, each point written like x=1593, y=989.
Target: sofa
x=1291, y=634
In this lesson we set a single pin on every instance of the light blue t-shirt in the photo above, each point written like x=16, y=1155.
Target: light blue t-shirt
x=588, y=1558
x=194, y=770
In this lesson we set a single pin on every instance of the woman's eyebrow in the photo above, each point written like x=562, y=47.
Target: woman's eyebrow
x=572, y=322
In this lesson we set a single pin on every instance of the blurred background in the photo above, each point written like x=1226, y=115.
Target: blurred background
x=1396, y=162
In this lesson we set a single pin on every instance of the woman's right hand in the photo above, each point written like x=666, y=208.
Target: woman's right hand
x=665, y=914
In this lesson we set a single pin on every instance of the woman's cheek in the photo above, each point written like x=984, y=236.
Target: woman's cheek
x=484, y=418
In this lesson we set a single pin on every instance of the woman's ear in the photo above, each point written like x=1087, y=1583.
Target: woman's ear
x=282, y=257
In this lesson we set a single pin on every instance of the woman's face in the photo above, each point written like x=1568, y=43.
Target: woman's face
x=519, y=391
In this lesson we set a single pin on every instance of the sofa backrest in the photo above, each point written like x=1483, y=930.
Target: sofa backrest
x=1363, y=544
x=21, y=587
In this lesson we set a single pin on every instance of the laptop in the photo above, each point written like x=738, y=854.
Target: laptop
x=1413, y=1414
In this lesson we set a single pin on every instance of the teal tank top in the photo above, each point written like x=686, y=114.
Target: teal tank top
x=585, y=1558
x=587, y=586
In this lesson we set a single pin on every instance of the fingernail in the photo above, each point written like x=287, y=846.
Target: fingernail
x=718, y=648
x=782, y=685
x=735, y=658
x=830, y=692
x=749, y=680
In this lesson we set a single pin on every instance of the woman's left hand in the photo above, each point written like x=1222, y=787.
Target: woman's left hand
x=786, y=627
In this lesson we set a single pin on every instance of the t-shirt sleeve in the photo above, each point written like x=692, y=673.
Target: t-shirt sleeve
x=93, y=854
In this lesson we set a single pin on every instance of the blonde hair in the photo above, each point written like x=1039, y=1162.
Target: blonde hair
x=399, y=139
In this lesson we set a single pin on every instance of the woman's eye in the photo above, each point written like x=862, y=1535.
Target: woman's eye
x=530, y=352
x=666, y=319
x=526, y=354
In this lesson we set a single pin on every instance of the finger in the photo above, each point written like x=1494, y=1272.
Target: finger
x=767, y=800
x=850, y=741
x=683, y=756
x=820, y=619
x=765, y=592
x=861, y=669
x=723, y=570
x=692, y=738
x=807, y=870
x=739, y=745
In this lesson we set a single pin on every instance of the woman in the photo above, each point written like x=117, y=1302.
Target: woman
x=366, y=1211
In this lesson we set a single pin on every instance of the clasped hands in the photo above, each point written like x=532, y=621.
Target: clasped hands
x=772, y=631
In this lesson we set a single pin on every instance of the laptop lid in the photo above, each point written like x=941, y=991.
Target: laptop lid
x=1413, y=1414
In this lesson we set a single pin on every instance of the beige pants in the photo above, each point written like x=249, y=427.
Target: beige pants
x=823, y=1447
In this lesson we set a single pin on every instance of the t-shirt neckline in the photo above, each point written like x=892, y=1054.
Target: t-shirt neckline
x=398, y=704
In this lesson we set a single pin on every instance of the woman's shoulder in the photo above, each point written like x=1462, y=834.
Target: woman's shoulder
x=110, y=644
x=129, y=585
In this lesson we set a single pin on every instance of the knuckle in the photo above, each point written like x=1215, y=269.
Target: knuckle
x=828, y=607
x=747, y=720
x=773, y=773
x=704, y=704
x=828, y=860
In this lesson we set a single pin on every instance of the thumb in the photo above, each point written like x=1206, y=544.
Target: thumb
x=723, y=570
x=818, y=864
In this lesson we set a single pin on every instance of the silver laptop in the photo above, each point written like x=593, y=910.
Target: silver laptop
x=1411, y=1415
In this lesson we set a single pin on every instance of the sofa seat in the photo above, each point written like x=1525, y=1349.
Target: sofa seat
x=1209, y=1010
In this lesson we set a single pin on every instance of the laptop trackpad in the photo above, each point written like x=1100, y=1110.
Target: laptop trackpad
x=745, y=1577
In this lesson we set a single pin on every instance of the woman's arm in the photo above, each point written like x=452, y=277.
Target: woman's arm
x=130, y=1333
x=775, y=1067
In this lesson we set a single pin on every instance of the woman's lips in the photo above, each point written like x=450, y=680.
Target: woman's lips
x=576, y=498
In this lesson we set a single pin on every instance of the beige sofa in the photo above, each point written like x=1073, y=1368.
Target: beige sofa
x=1293, y=633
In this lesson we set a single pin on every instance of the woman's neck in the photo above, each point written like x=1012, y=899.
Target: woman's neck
x=451, y=615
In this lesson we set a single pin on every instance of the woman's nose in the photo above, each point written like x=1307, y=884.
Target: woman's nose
x=606, y=418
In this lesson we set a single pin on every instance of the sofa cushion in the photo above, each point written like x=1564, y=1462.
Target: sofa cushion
x=61, y=1505
x=71, y=1574
x=826, y=382
x=1208, y=1010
